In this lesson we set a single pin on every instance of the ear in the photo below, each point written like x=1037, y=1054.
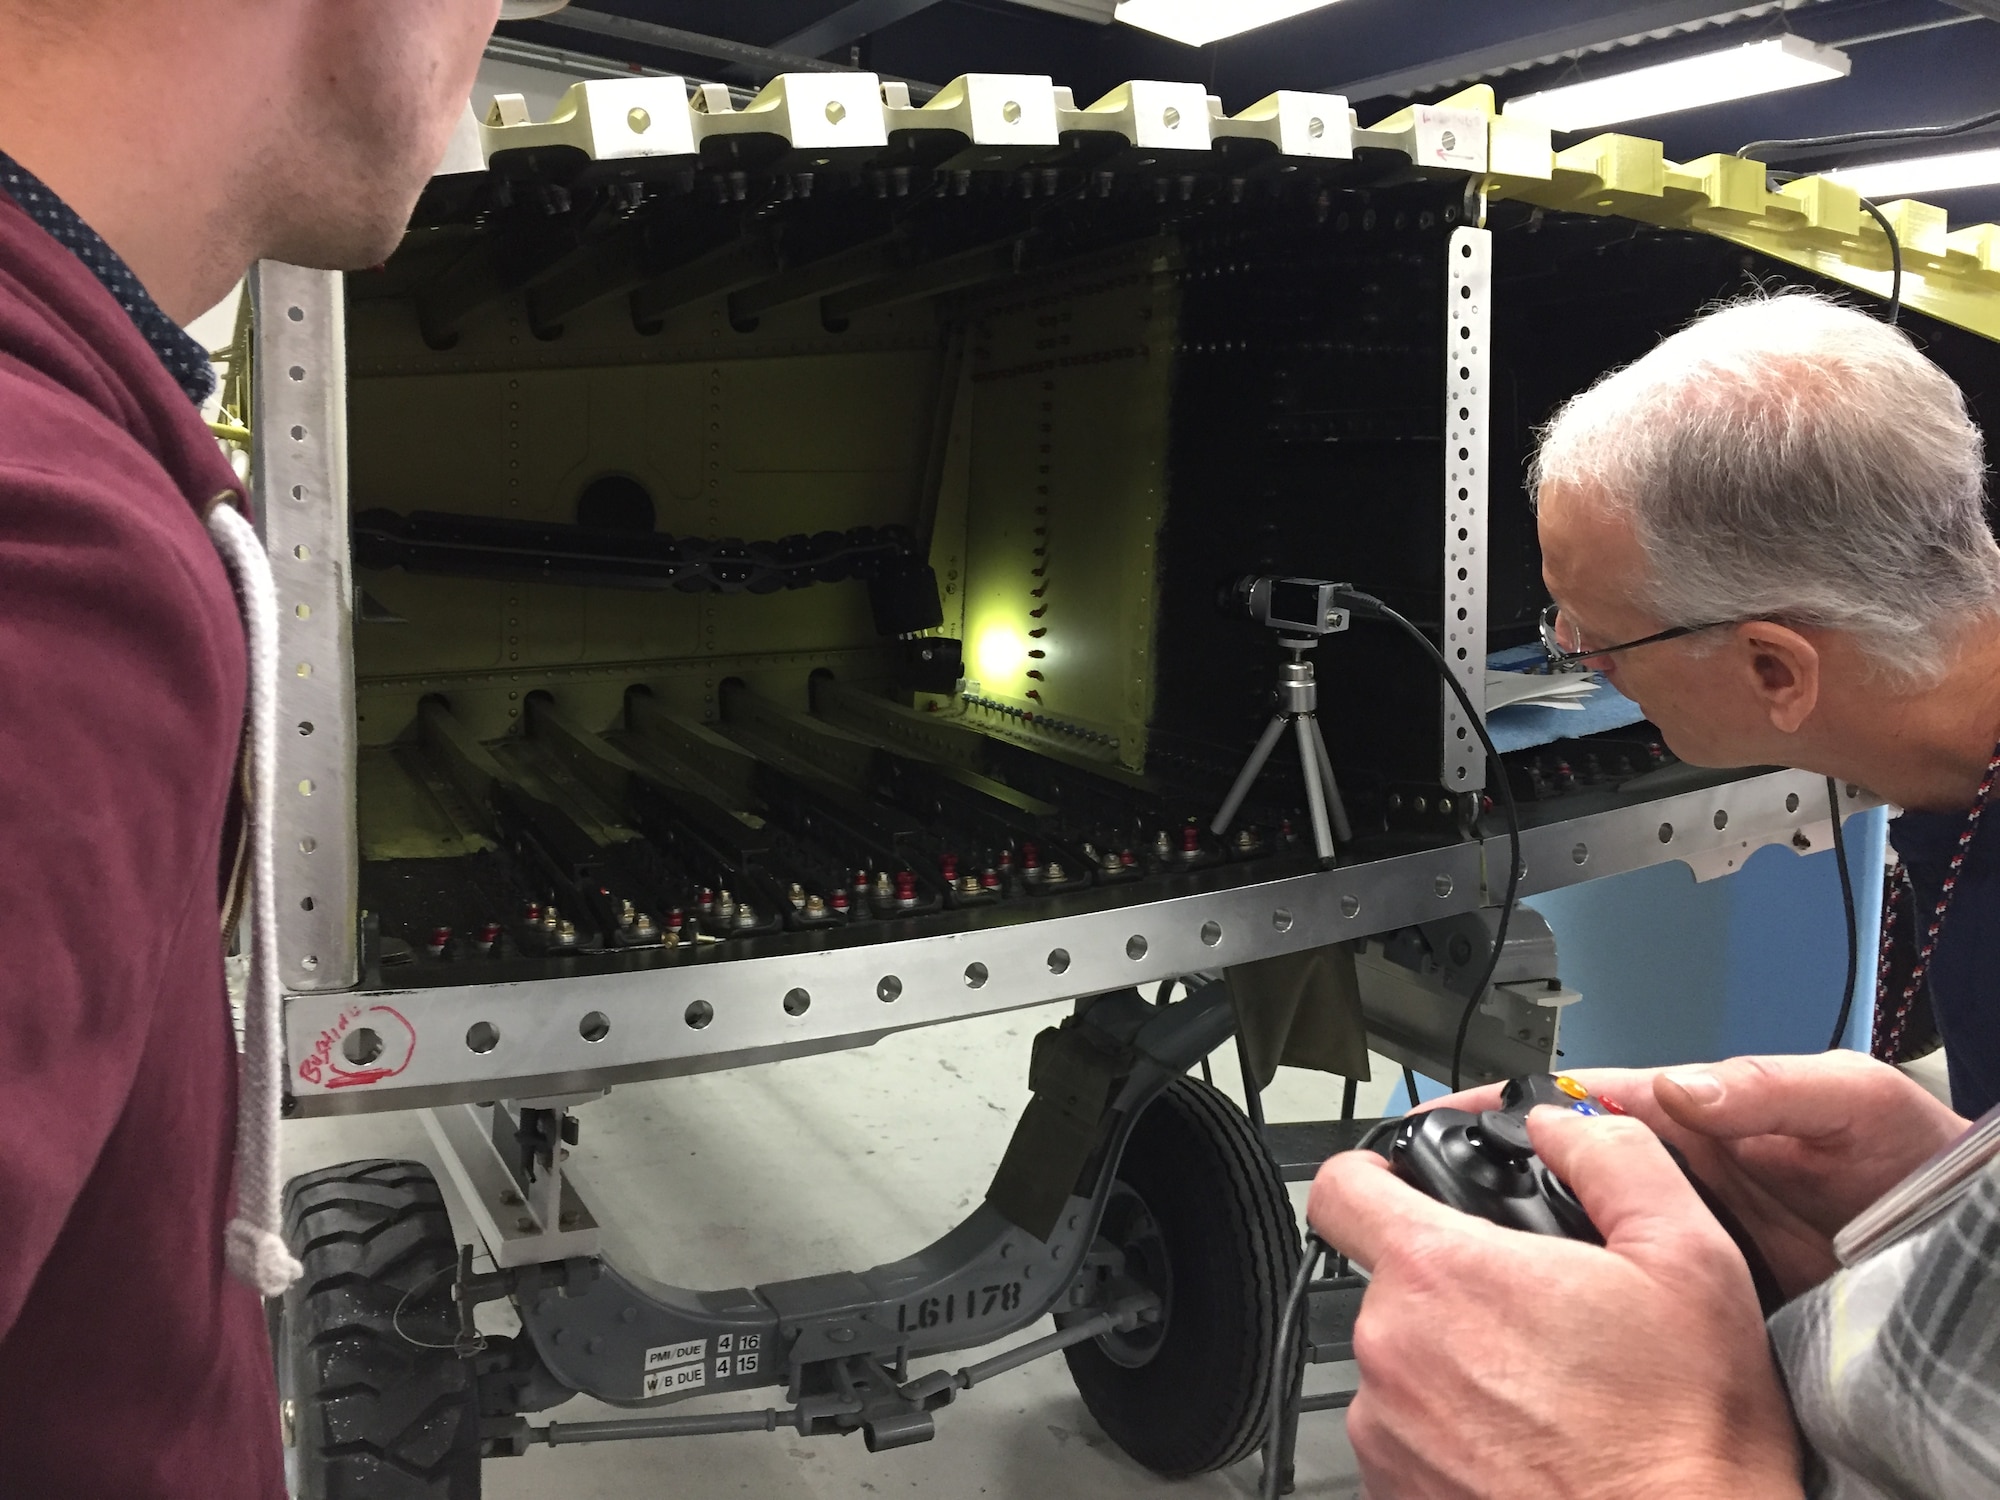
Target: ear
x=1784, y=672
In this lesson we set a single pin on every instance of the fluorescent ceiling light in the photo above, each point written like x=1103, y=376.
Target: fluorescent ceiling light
x=1882, y=180
x=1784, y=62
x=1199, y=22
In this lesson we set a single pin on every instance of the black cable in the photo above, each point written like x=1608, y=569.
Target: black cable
x=1888, y=233
x=1847, y=904
x=1281, y=1364
x=1895, y=261
x=1761, y=150
x=1368, y=604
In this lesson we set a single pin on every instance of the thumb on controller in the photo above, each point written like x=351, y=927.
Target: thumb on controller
x=1622, y=1175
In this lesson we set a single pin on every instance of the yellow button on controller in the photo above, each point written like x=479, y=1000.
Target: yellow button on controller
x=1571, y=1087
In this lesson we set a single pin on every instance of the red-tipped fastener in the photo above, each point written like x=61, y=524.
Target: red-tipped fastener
x=948, y=867
x=534, y=912
x=1190, y=840
x=989, y=880
x=439, y=937
x=906, y=889
x=488, y=936
x=838, y=901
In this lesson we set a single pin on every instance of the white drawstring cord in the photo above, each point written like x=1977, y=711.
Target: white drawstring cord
x=255, y=1240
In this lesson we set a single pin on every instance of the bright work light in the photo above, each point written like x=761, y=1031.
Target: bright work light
x=1199, y=22
x=1785, y=62
x=1882, y=180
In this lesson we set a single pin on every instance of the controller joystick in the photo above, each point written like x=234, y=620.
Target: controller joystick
x=1484, y=1164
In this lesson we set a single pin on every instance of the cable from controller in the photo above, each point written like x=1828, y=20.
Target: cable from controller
x=1368, y=605
x=1281, y=1363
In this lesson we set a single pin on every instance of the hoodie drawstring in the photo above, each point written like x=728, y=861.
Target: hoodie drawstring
x=255, y=1241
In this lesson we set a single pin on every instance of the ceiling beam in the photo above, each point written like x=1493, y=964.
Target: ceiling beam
x=848, y=24
x=760, y=62
x=1634, y=24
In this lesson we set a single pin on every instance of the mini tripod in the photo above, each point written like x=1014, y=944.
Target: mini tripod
x=1298, y=704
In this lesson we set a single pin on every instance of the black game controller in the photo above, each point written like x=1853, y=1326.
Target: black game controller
x=1484, y=1164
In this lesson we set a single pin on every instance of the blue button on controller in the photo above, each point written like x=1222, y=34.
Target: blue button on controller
x=1585, y=1107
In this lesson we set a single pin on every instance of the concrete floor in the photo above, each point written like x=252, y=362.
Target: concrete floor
x=834, y=1163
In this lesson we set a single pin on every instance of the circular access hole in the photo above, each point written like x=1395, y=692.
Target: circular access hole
x=1580, y=854
x=1135, y=947
x=594, y=1027
x=309, y=962
x=797, y=1002
x=482, y=1037
x=1011, y=112
x=1315, y=127
x=308, y=844
x=889, y=988
x=361, y=1046
x=1211, y=933
x=305, y=726
x=1350, y=906
x=296, y=314
x=1058, y=960
x=298, y=434
x=698, y=1014
x=297, y=372
x=975, y=976
x=1791, y=802
x=1442, y=885
x=305, y=903
x=1282, y=919
x=1721, y=818
x=1666, y=833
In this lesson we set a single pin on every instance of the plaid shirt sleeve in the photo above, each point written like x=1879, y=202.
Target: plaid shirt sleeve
x=1894, y=1364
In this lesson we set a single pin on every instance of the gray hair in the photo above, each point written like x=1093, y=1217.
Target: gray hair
x=1787, y=457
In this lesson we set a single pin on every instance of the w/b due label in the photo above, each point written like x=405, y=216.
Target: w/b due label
x=672, y=1368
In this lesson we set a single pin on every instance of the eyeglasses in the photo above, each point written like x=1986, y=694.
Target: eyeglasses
x=1560, y=657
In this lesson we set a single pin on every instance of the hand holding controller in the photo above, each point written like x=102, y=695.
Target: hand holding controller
x=1484, y=1164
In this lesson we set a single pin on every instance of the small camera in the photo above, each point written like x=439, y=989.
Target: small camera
x=1303, y=606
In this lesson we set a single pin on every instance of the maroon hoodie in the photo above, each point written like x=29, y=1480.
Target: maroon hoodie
x=131, y=1366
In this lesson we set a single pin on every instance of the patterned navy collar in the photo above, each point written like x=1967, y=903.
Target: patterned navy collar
x=183, y=356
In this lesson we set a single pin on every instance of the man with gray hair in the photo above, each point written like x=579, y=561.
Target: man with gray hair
x=1770, y=533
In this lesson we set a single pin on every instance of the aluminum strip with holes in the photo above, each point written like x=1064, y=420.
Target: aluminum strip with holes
x=553, y=1036
x=299, y=478
x=515, y=1040
x=1467, y=355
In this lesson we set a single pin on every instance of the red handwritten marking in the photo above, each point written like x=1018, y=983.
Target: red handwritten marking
x=322, y=1065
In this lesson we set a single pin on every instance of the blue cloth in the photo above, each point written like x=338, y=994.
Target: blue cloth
x=1965, y=969
x=1521, y=726
x=183, y=355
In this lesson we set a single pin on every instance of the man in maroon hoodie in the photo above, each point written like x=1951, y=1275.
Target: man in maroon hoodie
x=149, y=152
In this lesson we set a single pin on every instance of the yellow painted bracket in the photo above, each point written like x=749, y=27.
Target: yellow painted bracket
x=1813, y=223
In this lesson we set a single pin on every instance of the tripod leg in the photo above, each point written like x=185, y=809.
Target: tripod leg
x=1315, y=794
x=1252, y=768
x=1336, y=809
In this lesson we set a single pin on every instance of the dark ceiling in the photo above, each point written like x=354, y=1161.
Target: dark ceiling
x=1915, y=62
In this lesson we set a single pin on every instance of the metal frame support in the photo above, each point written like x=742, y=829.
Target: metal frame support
x=524, y=1220
x=1467, y=357
x=299, y=484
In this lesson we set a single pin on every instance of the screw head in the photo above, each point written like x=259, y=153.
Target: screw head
x=639, y=120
